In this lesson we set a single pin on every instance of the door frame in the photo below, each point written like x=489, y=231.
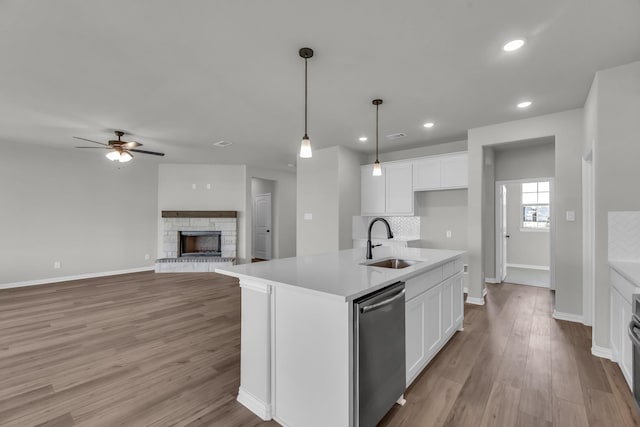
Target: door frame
x=498, y=225
x=588, y=236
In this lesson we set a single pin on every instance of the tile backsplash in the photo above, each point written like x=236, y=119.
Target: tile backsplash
x=624, y=236
x=401, y=226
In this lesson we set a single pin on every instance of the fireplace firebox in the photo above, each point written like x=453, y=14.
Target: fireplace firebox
x=199, y=244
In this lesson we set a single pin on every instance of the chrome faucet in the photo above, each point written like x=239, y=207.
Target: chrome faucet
x=369, y=245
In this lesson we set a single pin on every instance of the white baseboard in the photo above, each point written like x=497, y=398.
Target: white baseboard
x=491, y=280
x=484, y=292
x=529, y=267
x=255, y=405
x=603, y=352
x=465, y=290
x=76, y=277
x=567, y=316
x=475, y=301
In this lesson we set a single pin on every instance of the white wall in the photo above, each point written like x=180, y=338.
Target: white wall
x=614, y=105
x=328, y=188
x=228, y=192
x=75, y=207
x=283, y=201
x=567, y=129
x=440, y=211
x=523, y=247
x=349, y=188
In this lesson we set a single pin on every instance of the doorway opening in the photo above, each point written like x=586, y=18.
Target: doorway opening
x=524, y=232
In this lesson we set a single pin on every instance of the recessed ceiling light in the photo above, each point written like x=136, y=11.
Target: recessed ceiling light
x=429, y=125
x=524, y=104
x=222, y=143
x=362, y=138
x=513, y=45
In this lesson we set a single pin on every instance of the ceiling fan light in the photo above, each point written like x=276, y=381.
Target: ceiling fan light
x=377, y=169
x=125, y=157
x=305, y=148
x=113, y=155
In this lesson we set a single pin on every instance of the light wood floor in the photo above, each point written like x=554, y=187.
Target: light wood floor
x=151, y=349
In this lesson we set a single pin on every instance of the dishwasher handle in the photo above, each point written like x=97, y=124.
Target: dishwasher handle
x=368, y=308
x=634, y=338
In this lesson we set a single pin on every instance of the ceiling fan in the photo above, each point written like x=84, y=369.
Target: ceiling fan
x=120, y=150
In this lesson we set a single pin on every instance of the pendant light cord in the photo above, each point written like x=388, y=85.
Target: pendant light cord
x=377, y=105
x=305, y=97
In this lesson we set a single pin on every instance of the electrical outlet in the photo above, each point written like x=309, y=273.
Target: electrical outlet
x=208, y=186
x=193, y=186
x=146, y=256
x=56, y=264
x=448, y=234
x=308, y=216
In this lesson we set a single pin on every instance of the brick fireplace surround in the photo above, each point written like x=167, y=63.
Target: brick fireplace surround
x=176, y=221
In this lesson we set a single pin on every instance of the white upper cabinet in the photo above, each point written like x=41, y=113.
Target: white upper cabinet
x=440, y=172
x=426, y=174
x=372, y=192
x=389, y=194
x=399, y=190
x=455, y=171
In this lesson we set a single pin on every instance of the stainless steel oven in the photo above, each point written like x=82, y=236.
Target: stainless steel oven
x=634, y=334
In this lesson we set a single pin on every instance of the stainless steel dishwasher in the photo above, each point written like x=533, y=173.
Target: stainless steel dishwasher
x=379, y=356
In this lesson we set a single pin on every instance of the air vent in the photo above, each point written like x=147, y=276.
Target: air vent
x=396, y=135
x=222, y=143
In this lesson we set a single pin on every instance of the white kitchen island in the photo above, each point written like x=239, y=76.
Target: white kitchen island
x=297, y=326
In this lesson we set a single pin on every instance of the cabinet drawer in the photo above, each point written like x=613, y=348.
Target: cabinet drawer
x=417, y=285
x=448, y=270
x=458, y=265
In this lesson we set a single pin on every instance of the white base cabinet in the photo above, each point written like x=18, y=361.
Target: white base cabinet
x=621, y=347
x=433, y=314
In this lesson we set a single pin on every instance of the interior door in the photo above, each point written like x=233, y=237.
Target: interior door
x=262, y=226
x=501, y=228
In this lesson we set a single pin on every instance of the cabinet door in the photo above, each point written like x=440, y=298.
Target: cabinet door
x=372, y=192
x=433, y=319
x=414, y=334
x=458, y=299
x=399, y=188
x=455, y=171
x=626, y=362
x=617, y=325
x=447, y=308
x=426, y=174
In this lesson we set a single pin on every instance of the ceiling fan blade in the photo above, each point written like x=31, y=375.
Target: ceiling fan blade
x=130, y=145
x=147, y=152
x=95, y=142
x=99, y=148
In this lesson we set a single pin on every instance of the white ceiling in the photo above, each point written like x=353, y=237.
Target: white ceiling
x=182, y=75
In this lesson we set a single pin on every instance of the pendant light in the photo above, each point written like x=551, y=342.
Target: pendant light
x=305, y=146
x=377, y=169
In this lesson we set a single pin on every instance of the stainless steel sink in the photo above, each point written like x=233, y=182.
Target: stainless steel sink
x=394, y=263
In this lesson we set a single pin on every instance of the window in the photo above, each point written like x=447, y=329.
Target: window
x=535, y=206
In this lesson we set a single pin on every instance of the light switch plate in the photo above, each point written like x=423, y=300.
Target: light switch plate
x=308, y=216
x=571, y=215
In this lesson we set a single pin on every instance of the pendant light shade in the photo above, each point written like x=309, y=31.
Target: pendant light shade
x=377, y=169
x=113, y=155
x=305, y=145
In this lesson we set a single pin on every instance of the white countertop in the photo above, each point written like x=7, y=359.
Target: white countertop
x=339, y=274
x=630, y=270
